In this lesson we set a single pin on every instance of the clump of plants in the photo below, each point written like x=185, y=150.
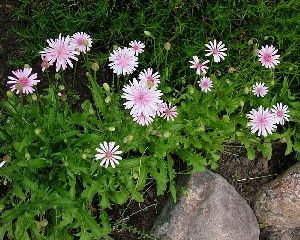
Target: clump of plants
x=65, y=168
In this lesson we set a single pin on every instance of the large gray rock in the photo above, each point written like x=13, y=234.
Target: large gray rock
x=288, y=234
x=210, y=209
x=277, y=205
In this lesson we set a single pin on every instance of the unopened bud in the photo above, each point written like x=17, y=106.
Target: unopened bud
x=242, y=103
x=95, y=66
x=26, y=66
x=255, y=52
x=272, y=82
x=231, y=70
x=191, y=89
x=106, y=87
x=167, y=46
x=218, y=73
x=250, y=42
x=283, y=140
x=107, y=99
x=266, y=37
x=34, y=97
x=61, y=87
x=87, y=74
x=37, y=131
x=111, y=129
x=84, y=156
x=148, y=34
x=167, y=134
x=9, y=94
x=27, y=156
x=246, y=90
x=91, y=111
x=115, y=47
x=57, y=76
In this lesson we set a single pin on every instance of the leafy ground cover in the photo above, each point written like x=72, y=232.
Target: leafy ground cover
x=68, y=131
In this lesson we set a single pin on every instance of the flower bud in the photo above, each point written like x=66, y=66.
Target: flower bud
x=37, y=131
x=111, y=129
x=250, y=42
x=91, y=111
x=9, y=94
x=167, y=135
x=95, y=66
x=57, y=76
x=87, y=74
x=84, y=156
x=218, y=73
x=191, y=89
x=34, y=97
x=266, y=37
x=106, y=87
x=242, y=103
x=231, y=70
x=27, y=156
x=272, y=82
x=115, y=47
x=167, y=46
x=255, y=52
x=148, y=34
x=107, y=99
x=26, y=66
x=246, y=90
x=61, y=87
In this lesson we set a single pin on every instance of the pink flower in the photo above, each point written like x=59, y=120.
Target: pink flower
x=216, y=49
x=169, y=112
x=81, y=41
x=60, y=50
x=143, y=119
x=267, y=56
x=261, y=121
x=108, y=154
x=141, y=99
x=123, y=61
x=259, y=89
x=160, y=108
x=151, y=79
x=280, y=113
x=23, y=81
x=205, y=84
x=200, y=67
x=137, y=47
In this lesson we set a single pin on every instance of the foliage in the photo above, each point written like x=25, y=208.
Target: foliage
x=57, y=188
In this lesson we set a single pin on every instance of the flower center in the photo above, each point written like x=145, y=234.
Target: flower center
x=199, y=65
x=215, y=51
x=80, y=41
x=108, y=154
x=262, y=121
x=267, y=57
x=205, y=84
x=24, y=82
x=280, y=113
x=123, y=61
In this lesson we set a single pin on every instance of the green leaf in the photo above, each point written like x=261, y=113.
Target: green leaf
x=18, y=191
x=250, y=153
x=23, y=223
x=137, y=196
x=34, y=163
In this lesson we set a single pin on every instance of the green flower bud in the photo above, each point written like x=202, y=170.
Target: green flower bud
x=37, y=131
x=57, y=76
x=9, y=94
x=95, y=66
x=272, y=82
x=167, y=46
x=107, y=99
x=34, y=97
x=242, y=103
x=148, y=34
x=167, y=134
x=246, y=90
x=26, y=66
x=250, y=42
x=27, y=156
x=61, y=87
x=106, y=87
x=111, y=129
x=84, y=156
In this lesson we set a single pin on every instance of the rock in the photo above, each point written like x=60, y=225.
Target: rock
x=278, y=203
x=211, y=209
x=289, y=234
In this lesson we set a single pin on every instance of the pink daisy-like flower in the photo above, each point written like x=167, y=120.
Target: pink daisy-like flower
x=280, y=113
x=81, y=41
x=267, y=56
x=60, y=50
x=123, y=61
x=216, y=49
x=23, y=81
x=137, y=47
x=150, y=78
x=141, y=99
x=143, y=119
x=200, y=67
x=205, y=84
x=160, y=108
x=259, y=89
x=169, y=112
x=261, y=121
x=108, y=154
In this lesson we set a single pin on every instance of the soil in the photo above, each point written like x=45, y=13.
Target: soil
x=137, y=218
